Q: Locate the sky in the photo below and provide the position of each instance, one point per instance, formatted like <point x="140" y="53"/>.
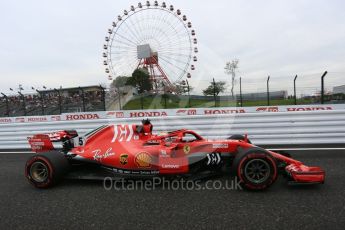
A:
<point x="59" y="43"/>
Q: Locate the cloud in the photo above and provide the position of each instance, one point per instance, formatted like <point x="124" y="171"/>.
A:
<point x="60" y="43"/>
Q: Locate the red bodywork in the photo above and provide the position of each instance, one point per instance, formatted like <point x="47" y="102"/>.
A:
<point x="44" y="142"/>
<point x="133" y="149"/>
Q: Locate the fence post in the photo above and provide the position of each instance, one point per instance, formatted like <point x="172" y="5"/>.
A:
<point x="323" y="87"/>
<point x="82" y="97"/>
<point x="268" y="91"/>
<point x="42" y="100"/>
<point x="241" y="102"/>
<point x="24" y="104"/>
<point x="164" y="96"/>
<point x="189" y="105"/>
<point x="141" y="100"/>
<point x="60" y="101"/>
<point x="142" y="92"/>
<point x="294" y="89"/>
<point x="7" y="106"/>
<point x="119" y="96"/>
<point x="103" y="97"/>
<point x="214" y="93"/>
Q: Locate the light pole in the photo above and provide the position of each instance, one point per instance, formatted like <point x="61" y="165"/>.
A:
<point x="241" y="92"/>
<point x="268" y="90"/>
<point x="323" y="87"/>
<point x="214" y="93"/>
<point x="294" y="89"/>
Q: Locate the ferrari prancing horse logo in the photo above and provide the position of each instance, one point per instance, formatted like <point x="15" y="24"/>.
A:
<point x="186" y="149"/>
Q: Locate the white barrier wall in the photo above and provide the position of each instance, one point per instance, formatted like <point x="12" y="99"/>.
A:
<point x="293" y="126"/>
<point x="171" y="112"/>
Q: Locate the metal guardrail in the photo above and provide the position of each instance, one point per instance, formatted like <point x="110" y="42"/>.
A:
<point x="279" y="128"/>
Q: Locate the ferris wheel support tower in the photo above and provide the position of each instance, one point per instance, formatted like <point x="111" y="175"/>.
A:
<point x="149" y="60"/>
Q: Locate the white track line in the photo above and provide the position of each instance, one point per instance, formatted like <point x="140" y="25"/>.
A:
<point x="308" y="149"/>
<point x="16" y="152"/>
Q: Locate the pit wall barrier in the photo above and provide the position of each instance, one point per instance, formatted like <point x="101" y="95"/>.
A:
<point x="265" y="125"/>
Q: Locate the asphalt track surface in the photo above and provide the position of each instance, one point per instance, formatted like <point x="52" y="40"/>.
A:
<point x="75" y="204"/>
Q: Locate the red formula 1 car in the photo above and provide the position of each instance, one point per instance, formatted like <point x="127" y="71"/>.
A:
<point x="134" y="151"/>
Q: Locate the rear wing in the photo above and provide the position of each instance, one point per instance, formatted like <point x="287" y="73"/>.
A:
<point x="51" y="141"/>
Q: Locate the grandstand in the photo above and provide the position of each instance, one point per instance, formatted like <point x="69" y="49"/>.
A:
<point x="54" y="101"/>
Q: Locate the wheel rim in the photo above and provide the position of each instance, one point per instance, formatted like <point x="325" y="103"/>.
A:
<point x="39" y="171"/>
<point x="257" y="171"/>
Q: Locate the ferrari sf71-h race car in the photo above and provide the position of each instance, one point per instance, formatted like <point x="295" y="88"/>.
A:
<point x="134" y="151"/>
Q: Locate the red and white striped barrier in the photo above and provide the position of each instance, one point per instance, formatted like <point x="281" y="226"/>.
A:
<point x="171" y="112"/>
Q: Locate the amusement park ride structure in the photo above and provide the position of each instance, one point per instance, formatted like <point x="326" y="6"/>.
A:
<point x="149" y="61"/>
<point x="155" y="37"/>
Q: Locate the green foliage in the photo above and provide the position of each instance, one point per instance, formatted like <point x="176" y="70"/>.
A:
<point x="215" y="88"/>
<point x="140" y="78"/>
<point x="120" y="81"/>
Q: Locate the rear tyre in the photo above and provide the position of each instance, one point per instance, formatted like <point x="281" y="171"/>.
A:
<point x="44" y="170"/>
<point x="255" y="168"/>
<point x="238" y="137"/>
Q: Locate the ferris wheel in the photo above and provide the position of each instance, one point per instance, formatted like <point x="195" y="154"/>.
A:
<point x="153" y="36"/>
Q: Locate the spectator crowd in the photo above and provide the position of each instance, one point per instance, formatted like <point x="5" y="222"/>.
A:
<point x="50" y="102"/>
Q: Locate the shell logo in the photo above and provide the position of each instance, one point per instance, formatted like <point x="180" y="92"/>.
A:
<point x="143" y="160"/>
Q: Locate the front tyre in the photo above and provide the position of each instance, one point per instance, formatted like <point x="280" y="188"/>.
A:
<point x="256" y="169"/>
<point x="46" y="169"/>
